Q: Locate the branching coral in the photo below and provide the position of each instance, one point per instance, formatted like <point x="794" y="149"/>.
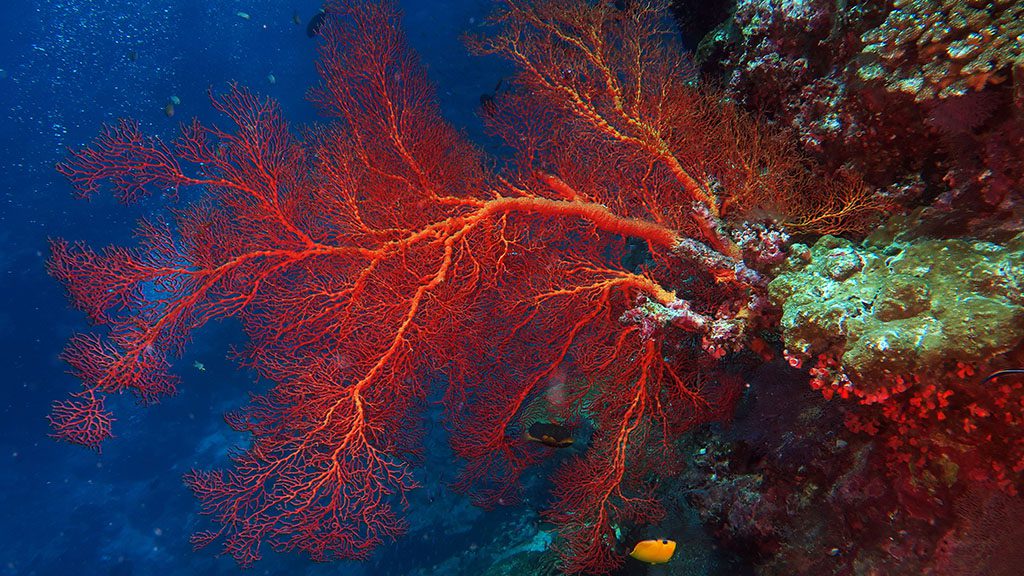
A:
<point x="380" y="254"/>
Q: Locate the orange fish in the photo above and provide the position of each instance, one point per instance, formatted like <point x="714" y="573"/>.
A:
<point x="654" y="551"/>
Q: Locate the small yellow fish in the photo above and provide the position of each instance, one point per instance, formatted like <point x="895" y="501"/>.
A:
<point x="654" y="551"/>
<point x="199" y="366"/>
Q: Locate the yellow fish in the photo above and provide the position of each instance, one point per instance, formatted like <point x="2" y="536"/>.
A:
<point x="654" y="551"/>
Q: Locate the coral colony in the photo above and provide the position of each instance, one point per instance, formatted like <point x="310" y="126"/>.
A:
<point x="624" y="271"/>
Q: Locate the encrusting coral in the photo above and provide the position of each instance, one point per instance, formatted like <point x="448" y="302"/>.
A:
<point x="902" y="309"/>
<point x="941" y="48"/>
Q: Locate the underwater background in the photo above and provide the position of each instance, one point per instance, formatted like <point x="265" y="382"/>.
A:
<point x="809" y="474"/>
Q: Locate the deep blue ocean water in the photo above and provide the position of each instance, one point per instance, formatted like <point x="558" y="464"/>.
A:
<point x="68" y="67"/>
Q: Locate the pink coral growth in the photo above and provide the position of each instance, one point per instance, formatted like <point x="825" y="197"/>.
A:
<point x="948" y="428"/>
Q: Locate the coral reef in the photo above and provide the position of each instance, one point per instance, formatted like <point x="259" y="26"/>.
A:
<point x="788" y="488"/>
<point x="805" y="64"/>
<point x="942" y="48"/>
<point x="904" y="328"/>
<point x="923" y="99"/>
<point x="790" y="61"/>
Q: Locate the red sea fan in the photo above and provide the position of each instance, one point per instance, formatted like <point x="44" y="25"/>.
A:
<point x="379" y="254"/>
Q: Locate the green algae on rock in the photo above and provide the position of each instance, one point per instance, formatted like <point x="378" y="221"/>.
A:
<point x="902" y="308"/>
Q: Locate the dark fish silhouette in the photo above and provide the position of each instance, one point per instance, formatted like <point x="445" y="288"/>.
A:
<point x="488" y="106"/>
<point x="315" y="23"/>
<point x="553" y="435"/>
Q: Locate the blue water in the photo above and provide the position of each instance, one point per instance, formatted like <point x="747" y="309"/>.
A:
<point x="67" y="67"/>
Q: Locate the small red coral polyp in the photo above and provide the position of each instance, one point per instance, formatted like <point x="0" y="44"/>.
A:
<point x="932" y="422"/>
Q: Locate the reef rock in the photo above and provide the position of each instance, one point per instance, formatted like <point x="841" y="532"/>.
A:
<point x="903" y="307"/>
